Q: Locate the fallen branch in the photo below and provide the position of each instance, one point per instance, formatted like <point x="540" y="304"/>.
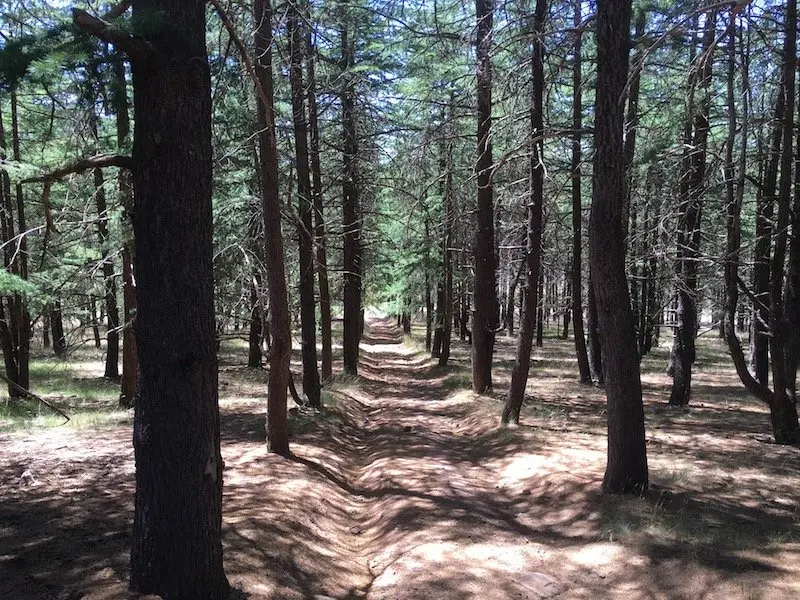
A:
<point x="84" y="164"/>
<point x="36" y="397"/>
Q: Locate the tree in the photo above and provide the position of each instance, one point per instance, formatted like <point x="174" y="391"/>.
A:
<point x="519" y="374"/>
<point x="279" y="322"/>
<point x="577" y="203"/>
<point x="626" y="470"/>
<point x="351" y="203"/>
<point x="305" y="230"/>
<point x="176" y="548"/>
<point x="692" y="190"/>
<point x="485" y="292"/>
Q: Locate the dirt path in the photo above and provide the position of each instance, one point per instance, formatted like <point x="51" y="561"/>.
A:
<point x="406" y="489"/>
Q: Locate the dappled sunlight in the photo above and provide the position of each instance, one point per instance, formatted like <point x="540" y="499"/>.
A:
<point x="405" y="486"/>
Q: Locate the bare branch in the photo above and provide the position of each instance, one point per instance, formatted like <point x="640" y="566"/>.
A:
<point x="135" y="48"/>
<point x="84" y="164"/>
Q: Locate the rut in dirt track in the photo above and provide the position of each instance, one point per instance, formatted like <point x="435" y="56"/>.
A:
<point x="420" y="468"/>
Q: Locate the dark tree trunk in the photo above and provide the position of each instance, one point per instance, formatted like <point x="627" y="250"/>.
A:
<point x="593" y="335"/>
<point x="765" y="210"/>
<point x="539" y="310"/>
<point x="447" y="265"/>
<point x="45" y="327"/>
<point x="626" y="470"/>
<point x="256" y="328"/>
<point x="278" y="318"/>
<point x="176" y="549"/>
<point x="692" y="191"/>
<point x="565" y="302"/>
<point x="308" y="314"/>
<point x="57" y="327"/>
<point x="351" y="208"/>
<point x="326" y="356"/>
<point x="512" y="297"/>
<point x="485" y="288"/>
<point x="577" y="202"/>
<point x="130" y="356"/>
<point x="519" y="374"/>
<point x="92" y="309"/>
<point x="783" y="409"/>
<point x="15" y="322"/>
<point x="109" y="280"/>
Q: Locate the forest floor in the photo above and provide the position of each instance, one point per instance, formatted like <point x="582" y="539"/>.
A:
<point x="406" y="488"/>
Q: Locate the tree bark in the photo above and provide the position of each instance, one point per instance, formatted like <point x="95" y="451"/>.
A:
<point x="176" y="548"/>
<point x="533" y="259"/>
<point x="626" y="471"/>
<point x="584" y="373"/>
<point x="308" y="316"/>
<point x="278" y="318"/>
<point x="351" y="203"/>
<point x="484" y="315"/>
<point x="692" y="192"/>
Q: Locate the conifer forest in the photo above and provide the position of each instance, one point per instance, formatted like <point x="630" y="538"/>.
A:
<point x="399" y="300"/>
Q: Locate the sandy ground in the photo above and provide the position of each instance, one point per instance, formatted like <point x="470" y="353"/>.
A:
<point x="405" y="488"/>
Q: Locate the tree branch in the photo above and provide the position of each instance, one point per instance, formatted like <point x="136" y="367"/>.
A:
<point x="245" y="55"/>
<point x="33" y="396"/>
<point x="134" y="47"/>
<point x="84" y="164"/>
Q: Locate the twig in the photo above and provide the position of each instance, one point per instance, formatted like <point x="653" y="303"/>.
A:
<point x="30" y="394"/>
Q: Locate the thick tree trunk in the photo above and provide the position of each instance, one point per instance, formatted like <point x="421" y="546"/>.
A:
<point x="539" y="310"/>
<point x="308" y="314"/>
<point x="626" y="470"/>
<point x="176" y="548"/>
<point x="533" y="259"/>
<point x="278" y="318"/>
<point x="351" y="204"/>
<point x="484" y="315"/>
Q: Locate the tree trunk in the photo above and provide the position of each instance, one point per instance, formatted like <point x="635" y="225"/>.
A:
<point x="57" y="327"/>
<point x="256" y="328"/>
<point x="176" y="547"/>
<point x="92" y="309"/>
<point x="130" y="357"/>
<point x="15" y="322"/>
<point x="539" y="291"/>
<point x="626" y="470"/>
<point x="784" y="411"/>
<point x="326" y="356"/>
<point x="278" y="318"/>
<point x="308" y="314"/>
<point x="584" y="373"/>
<point x="351" y="209"/>
<point x="109" y="280"/>
<point x="692" y="191"/>
<point x="484" y="289"/>
<point x="533" y="259"/>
